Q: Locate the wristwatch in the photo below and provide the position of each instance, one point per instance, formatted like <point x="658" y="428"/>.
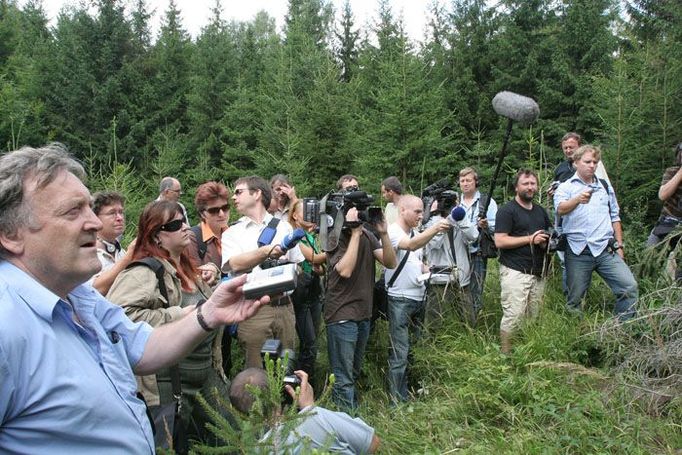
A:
<point x="617" y="245"/>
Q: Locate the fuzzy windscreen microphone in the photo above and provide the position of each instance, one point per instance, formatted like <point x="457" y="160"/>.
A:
<point x="516" y="107"/>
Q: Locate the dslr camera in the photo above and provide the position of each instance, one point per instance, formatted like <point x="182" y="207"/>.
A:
<point x="272" y="349"/>
<point x="444" y="195"/>
<point x="556" y="242"/>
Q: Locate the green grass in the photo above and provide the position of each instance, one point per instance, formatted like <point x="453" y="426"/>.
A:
<point x="554" y="394"/>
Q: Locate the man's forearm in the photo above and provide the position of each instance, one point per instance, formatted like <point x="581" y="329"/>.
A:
<point x="567" y="206"/>
<point x="105" y="279"/>
<point x="388" y="257"/>
<point x="618" y="231"/>
<point x="248" y="260"/>
<point x="347" y="262"/>
<point x="506" y="241"/>
<point x="169" y="343"/>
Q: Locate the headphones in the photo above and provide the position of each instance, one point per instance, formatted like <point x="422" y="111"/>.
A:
<point x="111" y="248"/>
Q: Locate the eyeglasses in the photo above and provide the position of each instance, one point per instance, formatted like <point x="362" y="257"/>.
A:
<point x="239" y="191"/>
<point x="216" y="210"/>
<point x="113" y="213"/>
<point x="172" y="226"/>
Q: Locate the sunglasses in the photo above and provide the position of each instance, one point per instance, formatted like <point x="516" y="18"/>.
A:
<point x="239" y="191"/>
<point x="216" y="210"/>
<point x="172" y="226"/>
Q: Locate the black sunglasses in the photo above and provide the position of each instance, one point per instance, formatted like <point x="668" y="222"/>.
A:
<point x="172" y="226"/>
<point x="216" y="210"/>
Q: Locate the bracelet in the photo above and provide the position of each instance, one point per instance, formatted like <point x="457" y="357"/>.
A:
<point x="200" y="317"/>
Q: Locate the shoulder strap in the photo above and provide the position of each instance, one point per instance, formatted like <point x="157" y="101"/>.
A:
<point x="157" y="267"/>
<point x="483" y="205"/>
<point x="608" y="196"/>
<point x="201" y="245"/>
<point x="400" y="266"/>
<point x="268" y="233"/>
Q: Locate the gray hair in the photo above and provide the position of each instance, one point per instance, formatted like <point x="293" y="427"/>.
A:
<point x="16" y="167"/>
<point x="166" y="184"/>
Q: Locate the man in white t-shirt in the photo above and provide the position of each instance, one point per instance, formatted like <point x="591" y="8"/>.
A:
<point x="405" y="291"/>
<point x="245" y="246"/>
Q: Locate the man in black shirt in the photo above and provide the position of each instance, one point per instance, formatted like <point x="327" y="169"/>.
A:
<point x="521" y="236"/>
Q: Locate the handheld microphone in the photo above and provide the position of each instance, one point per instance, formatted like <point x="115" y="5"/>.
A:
<point x="456" y="214"/>
<point x="516" y="107"/>
<point x="290" y="240"/>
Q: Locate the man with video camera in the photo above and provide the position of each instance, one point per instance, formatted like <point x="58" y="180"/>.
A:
<point x="348" y="306"/>
<point x="254" y="241"/>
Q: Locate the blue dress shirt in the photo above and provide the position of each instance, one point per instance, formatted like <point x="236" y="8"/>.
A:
<point x="588" y="224"/>
<point x="68" y="387"/>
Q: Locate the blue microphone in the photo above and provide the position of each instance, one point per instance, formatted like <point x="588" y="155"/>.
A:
<point x="290" y="240"/>
<point x="456" y="214"/>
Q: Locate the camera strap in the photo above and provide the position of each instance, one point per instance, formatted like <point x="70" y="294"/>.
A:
<point x="451" y="238"/>
<point x="400" y="266"/>
<point x="268" y="233"/>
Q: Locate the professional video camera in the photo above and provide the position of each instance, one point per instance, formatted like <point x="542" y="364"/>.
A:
<point x="329" y="213"/>
<point x="272" y="349"/>
<point x="443" y="193"/>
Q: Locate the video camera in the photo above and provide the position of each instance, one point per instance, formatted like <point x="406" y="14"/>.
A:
<point x="443" y="193"/>
<point x="329" y="213"/>
<point x="272" y="349"/>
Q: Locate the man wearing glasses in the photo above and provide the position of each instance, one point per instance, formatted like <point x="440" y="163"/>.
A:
<point x="245" y="246"/>
<point x="591" y="223"/>
<point x="108" y="206"/>
<point x="171" y="190"/>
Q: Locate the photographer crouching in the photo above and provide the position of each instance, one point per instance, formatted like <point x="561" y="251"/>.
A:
<point x="318" y="428"/>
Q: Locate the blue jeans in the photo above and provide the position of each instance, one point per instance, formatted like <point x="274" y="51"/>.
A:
<point x="479" y="268"/>
<point x="613" y="270"/>
<point x="346" y="344"/>
<point x="404" y="316"/>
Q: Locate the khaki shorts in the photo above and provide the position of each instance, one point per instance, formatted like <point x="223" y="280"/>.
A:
<point x="521" y="296"/>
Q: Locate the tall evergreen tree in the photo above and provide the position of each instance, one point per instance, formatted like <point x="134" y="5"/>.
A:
<point x="347" y="52"/>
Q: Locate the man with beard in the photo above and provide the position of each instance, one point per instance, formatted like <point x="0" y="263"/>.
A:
<point x="591" y="223"/>
<point x="521" y="236"/>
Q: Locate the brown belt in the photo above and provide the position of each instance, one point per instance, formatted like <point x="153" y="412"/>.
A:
<point x="282" y="301"/>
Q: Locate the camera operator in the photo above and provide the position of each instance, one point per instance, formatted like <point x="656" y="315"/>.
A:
<point x="448" y="255"/>
<point x="348" y="304"/>
<point x="591" y="223"/>
<point x="254" y="239"/>
<point x="473" y="202"/>
<point x="318" y="427"/>
<point x="521" y="236"/>
<point x="283" y="195"/>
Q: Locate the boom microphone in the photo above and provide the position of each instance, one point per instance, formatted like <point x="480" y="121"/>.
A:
<point x="516" y="107"/>
<point x="290" y="240"/>
<point x="457" y="214"/>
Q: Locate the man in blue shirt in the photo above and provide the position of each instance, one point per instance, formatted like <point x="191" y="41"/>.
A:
<point x="68" y="356"/>
<point x="592" y="226"/>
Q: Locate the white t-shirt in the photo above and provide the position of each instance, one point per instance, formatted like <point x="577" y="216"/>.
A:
<point x="243" y="236"/>
<point x="406" y="285"/>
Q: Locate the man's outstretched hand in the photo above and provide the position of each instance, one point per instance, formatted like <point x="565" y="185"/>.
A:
<point x="227" y="304"/>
